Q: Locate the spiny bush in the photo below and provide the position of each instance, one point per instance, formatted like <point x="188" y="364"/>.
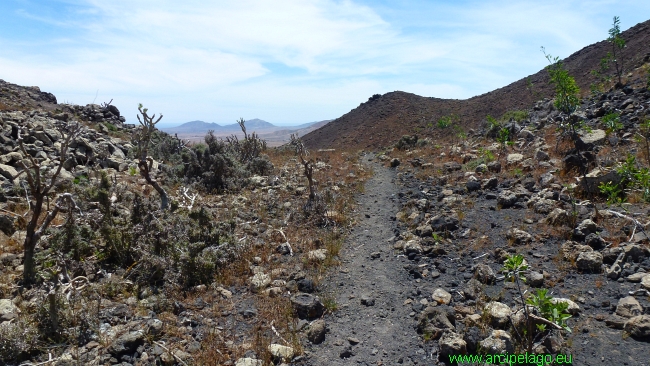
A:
<point x="219" y="165"/>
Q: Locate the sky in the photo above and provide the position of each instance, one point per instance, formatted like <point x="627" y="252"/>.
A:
<point x="286" y="61"/>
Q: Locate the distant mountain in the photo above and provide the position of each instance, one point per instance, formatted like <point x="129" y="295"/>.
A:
<point x="274" y="135"/>
<point x="194" y="127"/>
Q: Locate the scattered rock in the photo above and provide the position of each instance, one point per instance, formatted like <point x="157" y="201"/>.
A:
<point x="260" y="281"/>
<point x="506" y="199"/>
<point x="316" y="332"/>
<point x="441" y="296"/>
<point x="452" y="166"/>
<point x="535" y="279"/>
<point x="318" y="255"/>
<point x="367" y="300"/>
<point x="249" y="362"/>
<point x="281" y="353"/>
<point x="484" y="274"/>
<point x="434" y="320"/>
<point x="519" y="236"/>
<point x="8" y="310"/>
<point x="127" y="343"/>
<point x="452" y="343"/>
<point x="638" y="326"/>
<point x="589" y="261"/>
<point x="514" y="158"/>
<point x="628" y="307"/>
<point x="498" y="342"/>
<point x="307" y="306"/>
<point x="499" y="313"/>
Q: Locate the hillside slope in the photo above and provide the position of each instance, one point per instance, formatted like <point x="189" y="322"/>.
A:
<point x="380" y="122"/>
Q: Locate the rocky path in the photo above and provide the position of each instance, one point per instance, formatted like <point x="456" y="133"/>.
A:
<point x="372" y="326"/>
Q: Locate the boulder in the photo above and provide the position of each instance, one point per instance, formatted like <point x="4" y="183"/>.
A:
<point x="424" y="231"/>
<point x="571" y="250"/>
<point x="628" y="307"/>
<point x="519" y="236"/>
<point x="484" y="274"/>
<point x="494" y="166"/>
<point x="535" y="279"/>
<point x="318" y="255"/>
<point x="127" y="343"/>
<point x="452" y="166"/>
<point x="441" y="296"/>
<point x="247" y="361"/>
<point x="490" y="183"/>
<point x="481" y="168"/>
<point x="542" y="155"/>
<point x="506" y="199"/>
<point x="444" y="223"/>
<point x="316" y="332"/>
<point x="589" y="261"/>
<point x="8" y="172"/>
<point x="435" y="320"/>
<point x="307" y="306"/>
<point x="8" y="224"/>
<point x="281" y="353"/>
<point x="498" y="342"/>
<point x="645" y="282"/>
<point x="452" y="343"/>
<point x="8" y="310"/>
<point x="412" y="246"/>
<point x="514" y="158"/>
<point x="638" y="326"/>
<point x="499" y="313"/>
<point x="260" y="281"/>
<point x="557" y="217"/>
<point x="595" y="137"/>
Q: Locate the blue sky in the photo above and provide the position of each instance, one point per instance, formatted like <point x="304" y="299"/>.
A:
<point x="284" y="61"/>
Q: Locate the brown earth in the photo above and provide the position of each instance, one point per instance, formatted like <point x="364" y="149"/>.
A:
<point x="380" y="122"/>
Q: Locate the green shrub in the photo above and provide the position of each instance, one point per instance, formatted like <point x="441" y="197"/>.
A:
<point x="566" y="90"/>
<point x="612" y="122"/>
<point x="517" y="116"/>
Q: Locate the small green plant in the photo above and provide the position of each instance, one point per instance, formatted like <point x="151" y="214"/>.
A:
<point x="555" y="312"/>
<point x="612" y="191"/>
<point x="329" y="302"/>
<point x="493" y="123"/>
<point x="437" y="238"/>
<point x="566" y="90"/>
<point x="517" y="172"/>
<point x="618" y="44"/>
<point x="111" y="127"/>
<point x="445" y="121"/>
<point x="487" y="155"/>
<point x="612" y="122"/>
<point x="132" y="171"/>
<point x="517" y="116"/>
<point x="504" y="138"/>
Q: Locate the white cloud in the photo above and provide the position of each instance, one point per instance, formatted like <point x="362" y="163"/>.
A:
<point x="206" y="60"/>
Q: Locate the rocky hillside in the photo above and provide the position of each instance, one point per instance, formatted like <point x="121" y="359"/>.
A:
<point x="383" y="119"/>
<point x="464" y="209"/>
<point x="225" y="273"/>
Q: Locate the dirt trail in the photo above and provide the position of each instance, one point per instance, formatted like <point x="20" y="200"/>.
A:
<point x="369" y="288"/>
